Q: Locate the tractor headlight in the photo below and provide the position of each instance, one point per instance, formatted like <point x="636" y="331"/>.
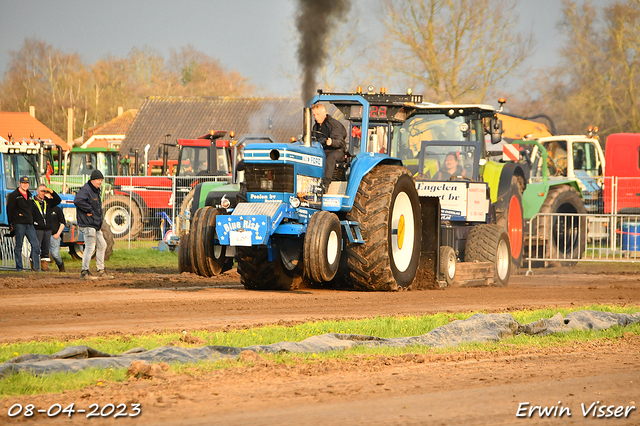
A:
<point x="224" y="202"/>
<point x="295" y="202"/>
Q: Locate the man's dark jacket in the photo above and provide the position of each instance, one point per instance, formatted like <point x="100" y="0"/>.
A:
<point x="331" y="128"/>
<point x="88" y="201"/>
<point x="19" y="209"/>
<point x="41" y="221"/>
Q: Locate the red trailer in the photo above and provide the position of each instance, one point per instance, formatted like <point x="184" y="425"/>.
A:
<point x="622" y="156"/>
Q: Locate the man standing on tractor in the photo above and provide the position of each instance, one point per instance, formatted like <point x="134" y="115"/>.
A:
<point x="89" y="213"/>
<point x="20" y="217"/>
<point x="332" y="135"/>
<point x="43" y="203"/>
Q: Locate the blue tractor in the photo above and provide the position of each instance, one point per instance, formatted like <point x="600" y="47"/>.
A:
<point x="366" y="230"/>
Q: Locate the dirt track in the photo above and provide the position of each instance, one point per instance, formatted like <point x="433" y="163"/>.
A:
<point x="472" y="388"/>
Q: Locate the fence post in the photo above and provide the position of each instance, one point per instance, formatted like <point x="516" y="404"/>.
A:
<point x="174" y="196"/>
<point x="130" y="212"/>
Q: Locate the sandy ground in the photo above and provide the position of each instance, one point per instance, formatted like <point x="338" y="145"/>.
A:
<point x="470" y="388"/>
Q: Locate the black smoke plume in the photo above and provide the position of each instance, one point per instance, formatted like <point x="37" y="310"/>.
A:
<point x="315" y="19"/>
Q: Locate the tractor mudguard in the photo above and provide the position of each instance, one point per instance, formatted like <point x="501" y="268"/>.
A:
<point x="136" y="198"/>
<point x="491" y="175"/>
<point x="504" y="184"/>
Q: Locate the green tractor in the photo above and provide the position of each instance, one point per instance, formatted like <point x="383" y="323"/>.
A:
<point x="458" y="134"/>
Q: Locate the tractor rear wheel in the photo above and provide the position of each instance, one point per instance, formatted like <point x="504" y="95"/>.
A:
<point x="387" y="209"/>
<point x="565" y="235"/>
<point x="322" y="247"/>
<point x="125" y="222"/>
<point x="512" y="220"/>
<point x="258" y="273"/>
<point x="490" y="243"/>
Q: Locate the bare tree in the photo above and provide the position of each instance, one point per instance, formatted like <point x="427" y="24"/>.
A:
<point x="598" y="80"/>
<point x="455" y="49"/>
<point x="43" y="76"/>
<point x="54" y="81"/>
<point x="202" y="75"/>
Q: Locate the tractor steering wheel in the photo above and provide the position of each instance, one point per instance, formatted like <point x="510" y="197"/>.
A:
<point x="454" y="177"/>
<point x="560" y="171"/>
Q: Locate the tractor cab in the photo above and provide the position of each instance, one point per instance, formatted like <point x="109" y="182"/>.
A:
<point x="207" y="155"/>
<point x="436" y="134"/>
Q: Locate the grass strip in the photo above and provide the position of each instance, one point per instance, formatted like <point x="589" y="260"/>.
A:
<point x="28" y="384"/>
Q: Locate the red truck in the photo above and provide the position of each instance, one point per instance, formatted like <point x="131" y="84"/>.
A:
<point x="622" y="173"/>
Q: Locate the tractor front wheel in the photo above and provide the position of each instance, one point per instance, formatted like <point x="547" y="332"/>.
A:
<point x="322" y="247"/>
<point x="564" y="234"/>
<point x="448" y="264"/>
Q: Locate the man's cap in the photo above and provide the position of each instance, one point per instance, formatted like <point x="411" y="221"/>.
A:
<point x="96" y="174"/>
<point x="24" y="179"/>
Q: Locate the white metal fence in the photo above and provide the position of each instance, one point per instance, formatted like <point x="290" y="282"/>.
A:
<point x="142" y="210"/>
<point x="556" y="239"/>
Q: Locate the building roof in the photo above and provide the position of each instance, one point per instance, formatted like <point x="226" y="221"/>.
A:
<point x="21" y="125"/>
<point x="117" y="126"/>
<point x="190" y="117"/>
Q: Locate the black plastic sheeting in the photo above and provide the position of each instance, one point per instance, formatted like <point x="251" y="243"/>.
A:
<point x="477" y="329"/>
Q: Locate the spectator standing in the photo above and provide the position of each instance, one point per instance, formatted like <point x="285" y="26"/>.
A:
<point x="20" y="216"/>
<point x="43" y="203"/>
<point x="89" y="214"/>
<point x="57" y="226"/>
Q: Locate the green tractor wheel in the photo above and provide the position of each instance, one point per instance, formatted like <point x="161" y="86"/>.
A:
<point x="565" y="235"/>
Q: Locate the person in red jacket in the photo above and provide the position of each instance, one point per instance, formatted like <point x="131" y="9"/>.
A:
<point x="19" y="212"/>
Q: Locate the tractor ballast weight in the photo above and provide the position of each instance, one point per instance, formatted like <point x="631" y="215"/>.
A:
<point x="363" y="231"/>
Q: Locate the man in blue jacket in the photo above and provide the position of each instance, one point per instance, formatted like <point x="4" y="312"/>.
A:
<point x="89" y="216"/>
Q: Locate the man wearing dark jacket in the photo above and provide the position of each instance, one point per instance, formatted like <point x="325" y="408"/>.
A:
<point x="89" y="215"/>
<point x="43" y="203"/>
<point x="57" y="226"/>
<point x="20" y="215"/>
<point x="332" y="135"/>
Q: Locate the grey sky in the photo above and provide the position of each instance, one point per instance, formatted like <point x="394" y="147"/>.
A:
<point x="251" y="36"/>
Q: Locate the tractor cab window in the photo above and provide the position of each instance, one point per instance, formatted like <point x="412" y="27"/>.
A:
<point x="557" y="158"/>
<point x="17" y="165"/>
<point x="585" y="158"/>
<point x="446" y="162"/>
<point x="377" y="139"/>
<point x="108" y="163"/>
<point x="194" y="160"/>
<point x="223" y="161"/>
<point x="82" y="163"/>
<point x="408" y="136"/>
